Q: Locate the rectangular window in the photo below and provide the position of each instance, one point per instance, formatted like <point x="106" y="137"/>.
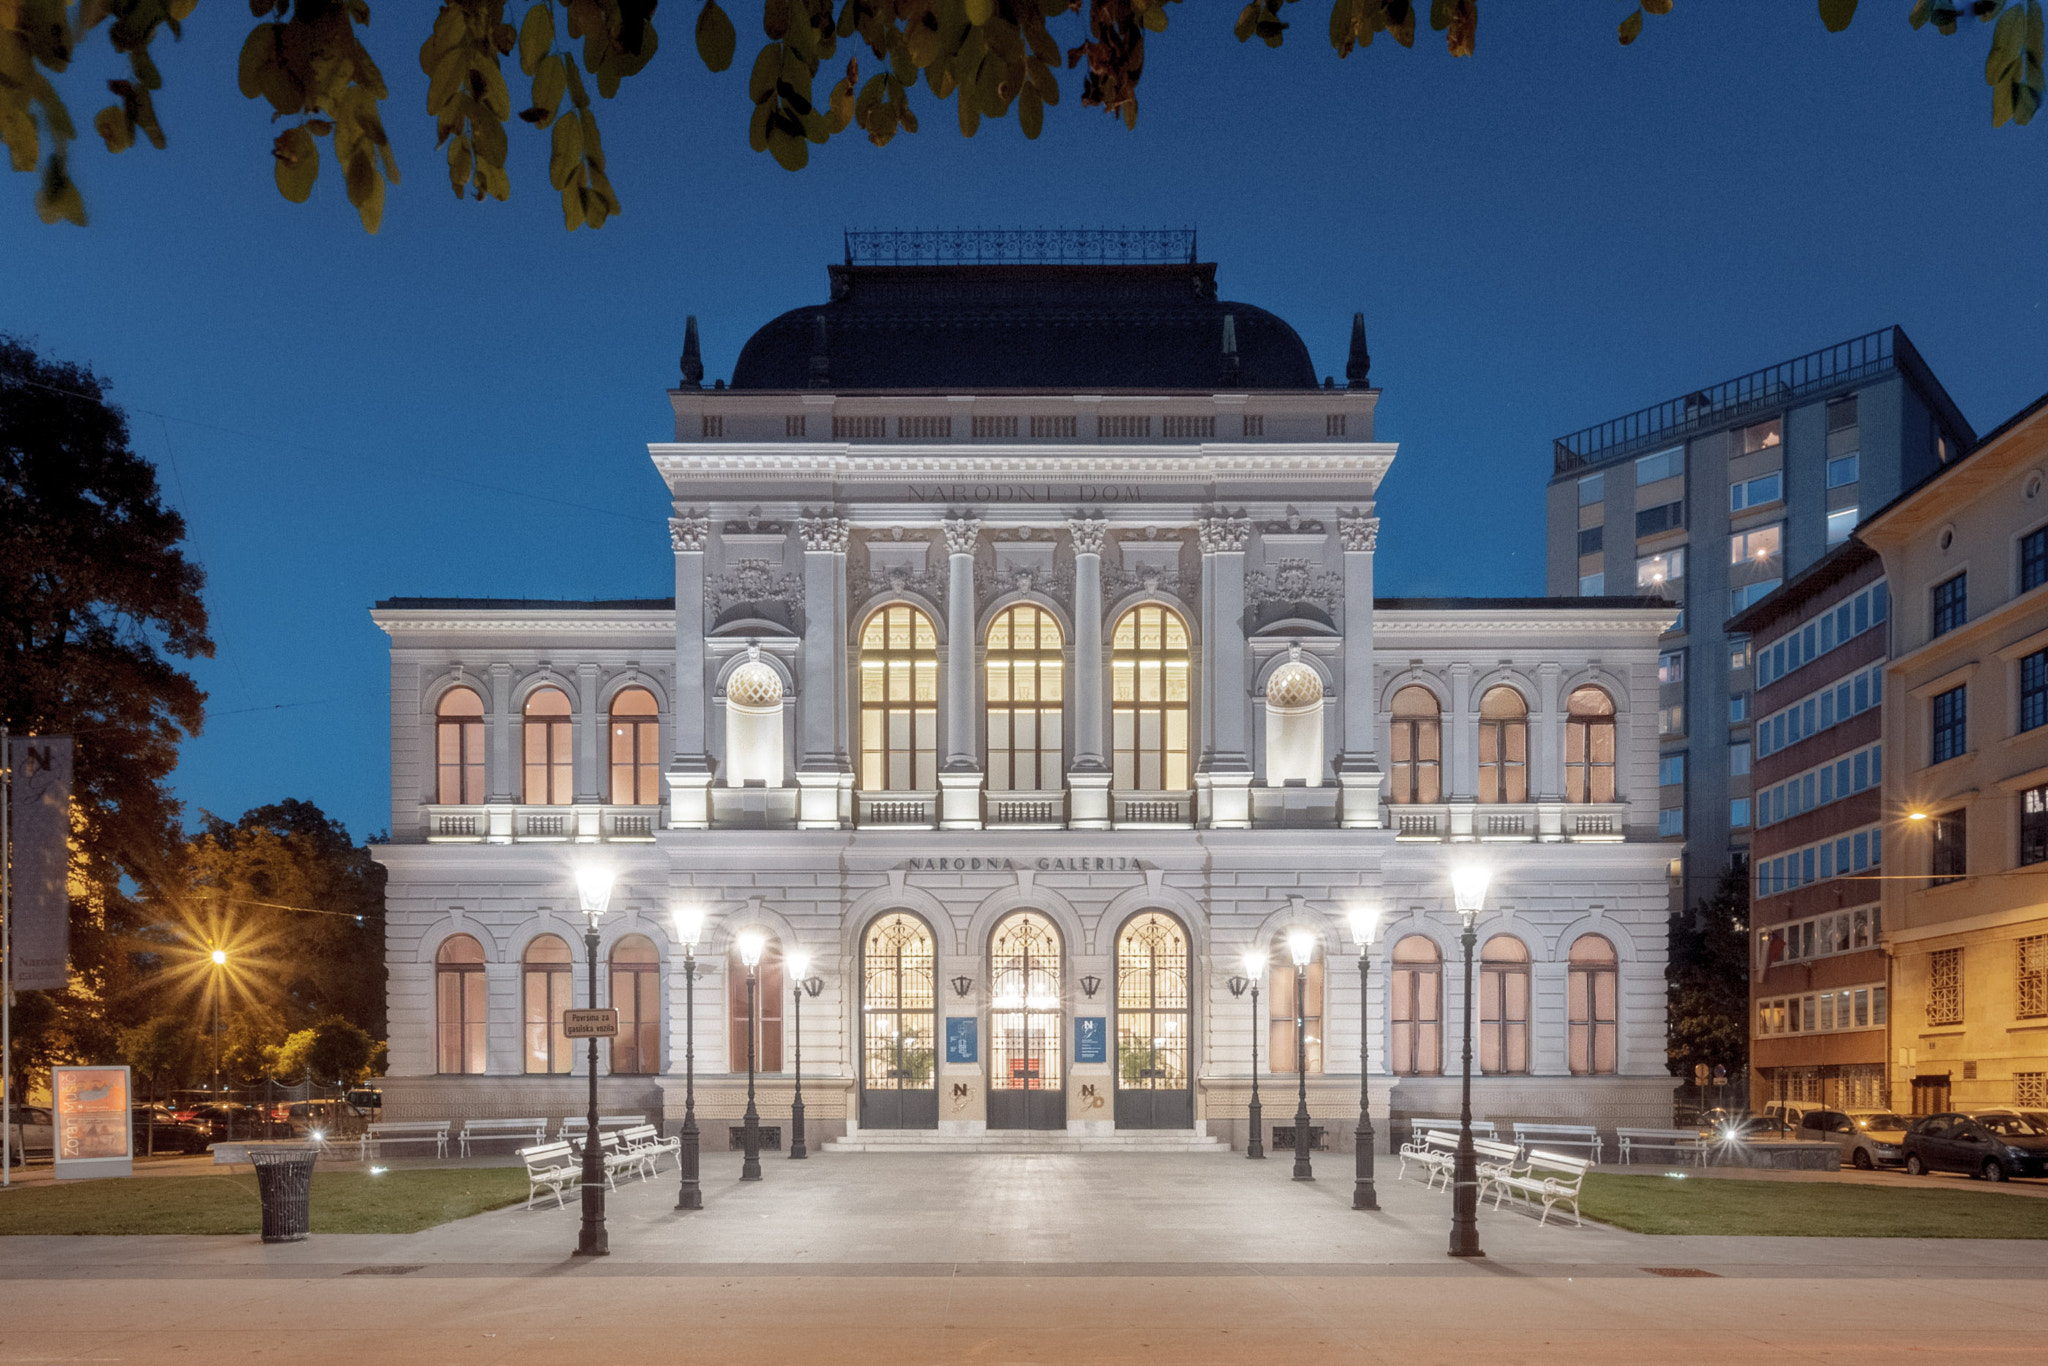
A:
<point x="2030" y="1089"/>
<point x="1842" y="470"/>
<point x="1589" y="540"/>
<point x="1122" y="428"/>
<point x="1333" y="424"/>
<point x="1842" y="414"/>
<point x="1671" y="821"/>
<point x="2031" y="994"/>
<point x="1951" y="605"/>
<point x="1738" y="759"/>
<point x="1841" y="522"/>
<point x="1947" y="858"/>
<point x="1254" y="425"/>
<point x="1760" y="436"/>
<point x="1589" y="489"/>
<point x="2034" y="559"/>
<point x="2034" y="825"/>
<point x="1757" y="545"/>
<point x="1945" y="987"/>
<point x="924" y="428"/>
<point x="1749" y="593"/>
<point x="1654" y="571"/>
<point x="995" y="428"/>
<point x="1738" y="812"/>
<point x="1664" y="517"/>
<point x="1592" y="585"/>
<point x="1738" y="709"/>
<point x="861" y="428"/>
<point x="1949" y="714"/>
<point x="1663" y="465"/>
<point x="1198" y="428"/>
<point x="1671" y="770"/>
<point x="1671" y="667"/>
<point x="2034" y="690"/>
<point x="1757" y="492"/>
<point x="794" y="424"/>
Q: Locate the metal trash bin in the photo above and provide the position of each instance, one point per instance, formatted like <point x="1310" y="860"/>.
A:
<point x="284" y="1182"/>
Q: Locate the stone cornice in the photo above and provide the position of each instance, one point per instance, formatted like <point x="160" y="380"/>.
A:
<point x="394" y="623"/>
<point x="770" y="462"/>
<point x="1473" y="624"/>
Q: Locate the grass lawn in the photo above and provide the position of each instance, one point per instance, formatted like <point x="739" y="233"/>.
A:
<point x="1660" y="1204"/>
<point x="343" y="1202"/>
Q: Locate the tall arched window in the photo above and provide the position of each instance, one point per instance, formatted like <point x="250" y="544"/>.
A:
<point x="636" y="749"/>
<point x="768" y="987"/>
<point x="1503" y="746"/>
<point x="1280" y="1034"/>
<point x="1294" y="725"/>
<point x="899" y="700"/>
<point x="1025" y="695"/>
<point x="1026" y="1012"/>
<point x="636" y="995"/>
<point x="1504" y="1005"/>
<point x="1417" y="748"/>
<point x="549" y="748"/>
<point x="753" y="726"/>
<point x="1152" y="1004"/>
<point x="459" y="1006"/>
<point x="1149" y="695"/>
<point x="1590" y="1006"/>
<point x="547" y="989"/>
<point x="459" y="748"/>
<point x="898" y="1024"/>
<point x="1589" y="746"/>
<point x="1418" y="998"/>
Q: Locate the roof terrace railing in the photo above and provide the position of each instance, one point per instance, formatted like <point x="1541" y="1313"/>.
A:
<point x="1773" y="387"/>
<point x="1020" y="246"/>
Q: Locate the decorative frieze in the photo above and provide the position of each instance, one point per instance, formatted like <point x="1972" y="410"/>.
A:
<point x="1224" y="533"/>
<point x="1119" y="582"/>
<point x="1359" y="532"/>
<point x="991" y="582"/>
<point x="1291" y="581"/>
<point x="754" y="583"/>
<point x="824" y="532"/>
<point x="688" y="533"/>
<point x="1293" y="524"/>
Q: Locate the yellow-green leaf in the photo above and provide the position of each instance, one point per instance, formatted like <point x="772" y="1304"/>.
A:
<point x="536" y="37"/>
<point x="716" y="40"/>
<point x="1836" y="14"/>
<point x="114" y="128"/>
<point x="298" y="164"/>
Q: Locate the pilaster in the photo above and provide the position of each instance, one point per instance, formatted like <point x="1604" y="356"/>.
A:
<point x="1226" y="766"/>
<point x="1358" y="765"/>
<point x="820" y="747"/>
<point x="960" y="772"/>
<point x="1088" y="779"/>
<point x="1461" y="753"/>
<point x="689" y="767"/>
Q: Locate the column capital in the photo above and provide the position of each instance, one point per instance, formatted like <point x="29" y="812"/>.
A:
<point x="1088" y="533"/>
<point x="961" y="534"/>
<point x="1359" y="532"/>
<point x="687" y="534"/>
<point x="824" y="533"/>
<point x="1224" y="532"/>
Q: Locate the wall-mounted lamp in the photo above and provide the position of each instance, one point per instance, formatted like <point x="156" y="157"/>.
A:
<point x="962" y="985"/>
<point x="1090" y="985"/>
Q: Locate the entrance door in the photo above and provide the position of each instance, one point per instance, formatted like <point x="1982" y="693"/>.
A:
<point x="1026" y="1084"/>
<point x="899" y="1081"/>
<point x="1153" y="1086"/>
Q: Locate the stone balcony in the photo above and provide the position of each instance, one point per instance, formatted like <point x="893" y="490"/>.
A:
<point x="583" y="823"/>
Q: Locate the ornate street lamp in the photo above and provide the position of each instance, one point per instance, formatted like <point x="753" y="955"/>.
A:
<point x="594" y="894"/>
<point x="219" y="959"/>
<point x="799" y="964"/>
<point x="1254" y="969"/>
<point x="1301" y="946"/>
<point x="689" y="929"/>
<point x="1468" y="892"/>
<point x="751" y="942"/>
<point x="1365" y="923"/>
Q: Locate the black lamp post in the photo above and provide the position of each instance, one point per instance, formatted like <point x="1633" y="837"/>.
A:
<point x="1468" y="888"/>
<point x="689" y="929"/>
<point x="1301" y="946"/>
<point x="594" y="892"/>
<point x="1254" y="969"/>
<point x="1364" y="924"/>
<point x="751" y="944"/>
<point x="799" y="964"/>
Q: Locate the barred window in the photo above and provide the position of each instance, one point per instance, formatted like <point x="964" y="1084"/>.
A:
<point x="924" y="428"/>
<point x="1053" y="428"/>
<point x="1333" y="424"/>
<point x="794" y="424"/>
<point x="1190" y="428"/>
<point x="1945" y="987"/>
<point x="2030" y="1089"/>
<point x="714" y="427"/>
<point x="986" y="428"/>
<point x="1116" y="428"/>
<point x="2033" y="977"/>
<point x="859" y="428"/>
<point x="1254" y="424"/>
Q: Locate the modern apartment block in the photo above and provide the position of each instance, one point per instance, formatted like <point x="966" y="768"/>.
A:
<point x="1966" y="779"/>
<point x="1816" y="763"/>
<point x="1715" y="498"/>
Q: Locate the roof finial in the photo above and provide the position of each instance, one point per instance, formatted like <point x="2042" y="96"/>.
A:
<point x="1230" y="357"/>
<point x="693" y="360"/>
<point x="1358" y="368"/>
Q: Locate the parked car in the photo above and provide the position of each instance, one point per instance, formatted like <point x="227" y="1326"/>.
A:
<point x="32" y="1135"/>
<point x="325" y="1118"/>
<point x="1867" y="1138"/>
<point x="1995" y="1145"/>
<point x="1793" y="1112"/>
<point x="232" y="1119"/>
<point x="1748" y="1129"/>
<point x="171" y="1135"/>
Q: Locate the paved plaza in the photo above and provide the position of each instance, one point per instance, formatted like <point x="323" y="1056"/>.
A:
<point x="1004" y="1258"/>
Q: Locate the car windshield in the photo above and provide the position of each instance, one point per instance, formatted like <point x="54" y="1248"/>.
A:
<point x="2010" y="1126"/>
<point x="1880" y="1122"/>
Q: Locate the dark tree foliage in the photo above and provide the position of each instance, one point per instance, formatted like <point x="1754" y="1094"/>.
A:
<point x="1707" y="983"/>
<point x="97" y="602"/>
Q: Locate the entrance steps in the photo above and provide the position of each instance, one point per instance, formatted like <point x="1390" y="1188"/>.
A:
<point x="1027" y="1141"/>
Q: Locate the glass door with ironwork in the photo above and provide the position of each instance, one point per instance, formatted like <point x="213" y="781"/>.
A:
<point x="899" y="1086"/>
<point x="1026" y="1085"/>
<point x="1153" y="1086"/>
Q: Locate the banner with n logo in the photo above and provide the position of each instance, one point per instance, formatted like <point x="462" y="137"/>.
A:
<point x="39" y="812"/>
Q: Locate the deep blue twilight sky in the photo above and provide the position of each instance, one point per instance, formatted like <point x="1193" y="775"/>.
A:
<point x="1553" y="233"/>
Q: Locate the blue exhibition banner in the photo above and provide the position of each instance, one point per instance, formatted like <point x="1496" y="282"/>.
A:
<point x="1091" y="1038"/>
<point x="960" y="1039"/>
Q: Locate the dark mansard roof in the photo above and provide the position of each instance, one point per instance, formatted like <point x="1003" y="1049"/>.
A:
<point x="1065" y="328"/>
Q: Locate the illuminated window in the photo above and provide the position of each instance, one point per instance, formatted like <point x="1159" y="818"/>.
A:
<point x="767" y="1014"/>
<point x="459" y="748"/>
<point x="636" y="749"/>
<point x="1503" y="746"/>
<point x="1504" y="1005"/>
<point x="546" y="989"/>
<point x="1281" y="1006"/>
<point x="1025" y="694"/>
<point x="1589" y="740"/>
<point x="636" y="995"/>
<point x="1759" y="545"/>
<point x="1590" y="1006"/>
<point x="1416" y="745"/>
<point x="1149" y="695"/>
<point x="460" y="1007"/>
<point x="549" y="746"/>
<point x="1152" y="1004"/>
<point x="899" y="690"/>
<point x="1656" y="571"/>
<point x="1416" y="983"/>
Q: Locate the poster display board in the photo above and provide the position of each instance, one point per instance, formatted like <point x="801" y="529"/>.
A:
<point x="1091" y="1038"/>
<point x="962" y="1045"/>
<point x="94" y="1135"/>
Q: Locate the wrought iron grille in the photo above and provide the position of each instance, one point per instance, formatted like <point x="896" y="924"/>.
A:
<point x="1945" y="987"/>
<point x="1152" y="1005"/>
<point x="2030" y="1088"/>
<point x="1025" y="1009"/>
<point x="897" y="1004"/>
<point x="1019" y="246"/>
<point x="2033" y="983"/>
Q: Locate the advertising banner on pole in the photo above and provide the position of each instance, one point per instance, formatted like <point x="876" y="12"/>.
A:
<point x="94" y="1136"/>
<point x="40" y="813"/>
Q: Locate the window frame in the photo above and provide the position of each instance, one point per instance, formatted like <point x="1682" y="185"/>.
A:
<point x="555" y="768"/>
<point x="1948" y="724"/>
<point x="1280" y="1006"/>
<point x="642" y="737"/>
<point x="1948" y="846"/>
<point x="1586" y="1033"/>
<point x="1414" y="728"/>
<point x="768" y="1017"/>
<point x="1505" y="1035"/>
<point x="1421" y="983"/>
<point x="881" y="760"/>
<point x="639" y="1036"/>
<point x="472" y="986"/>
<point x="471" y="746"/>
<point x="1508" y="783"/>
<point x="1132" y="758"/>
<point x="1586" y="777"/>
<point x="556" y="979"/>
<point x="1949" y="604"/>
<point x="1007" y="662"/>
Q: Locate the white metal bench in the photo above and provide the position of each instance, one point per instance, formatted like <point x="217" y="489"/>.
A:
<point x="519" y="1130"/>
<point x="1549" y="1179"/>
<point x="574" y="1129"/>
<point x="646" y="1141"/>
<point x="1561" y="1135"/>
<point x="549" y="1167"/>
<point x="403" y="1131"/>
<point x="1435" y="1150"/>
<point x="1481" y="1128"/>
<point x="1492" y="1159"/>
<point x="615" y="1155"/>
<point x="1686" y="1143"/>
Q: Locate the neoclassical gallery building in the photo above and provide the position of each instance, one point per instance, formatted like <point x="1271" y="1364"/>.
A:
<point x="1024" y="672"/>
